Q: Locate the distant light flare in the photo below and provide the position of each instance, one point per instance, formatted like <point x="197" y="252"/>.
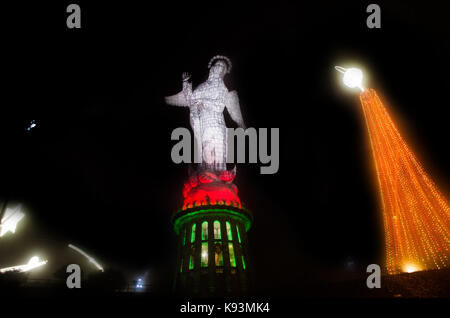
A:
<point x="140" y="283"/>
<point x="92" y="260"/>
<point x="10" y="220"/>
<point x="33" y="263"/>
<point x="32" y="125"/>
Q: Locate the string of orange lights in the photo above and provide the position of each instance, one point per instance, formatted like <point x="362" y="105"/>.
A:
<point x="416" y="215"/>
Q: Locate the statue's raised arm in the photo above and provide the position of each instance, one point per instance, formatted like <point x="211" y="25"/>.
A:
<point x="182" y="98"/>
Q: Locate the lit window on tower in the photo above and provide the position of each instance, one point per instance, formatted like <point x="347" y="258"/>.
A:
<point x="193" y="233"/>
<point x="229" y="234"/>
<point x="217" y="235"/>
<point x="204" y="262"/>
<point x="218" y="255"/>
<point x="191" y="262"/>
<point x="205" y="230"/>
<point x="238" y="235"/>
<point x="232" y="258"/>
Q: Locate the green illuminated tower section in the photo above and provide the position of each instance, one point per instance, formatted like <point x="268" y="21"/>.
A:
<point x="212" y="243"/>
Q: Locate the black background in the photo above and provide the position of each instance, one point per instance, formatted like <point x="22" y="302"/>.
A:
<point x="97" y="170"/>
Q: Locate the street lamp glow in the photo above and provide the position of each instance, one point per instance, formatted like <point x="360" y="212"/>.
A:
<point x="352" y="77"/>
<point x="33" y="263"/>
<point x="10" y="219"/>
<point x="92" y="260"/>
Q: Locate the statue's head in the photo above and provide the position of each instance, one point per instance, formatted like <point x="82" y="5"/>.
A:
<point x="218" y="66"/>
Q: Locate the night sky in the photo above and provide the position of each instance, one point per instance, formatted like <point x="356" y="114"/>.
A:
<point x="97" y="171"/>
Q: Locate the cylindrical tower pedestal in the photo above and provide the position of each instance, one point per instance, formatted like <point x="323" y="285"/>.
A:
<point x="212" y="254"/>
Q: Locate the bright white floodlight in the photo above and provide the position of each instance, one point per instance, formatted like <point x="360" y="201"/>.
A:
<point x="9" y="220"/>
<point x="93" y="261"/>
<point x="352" y="77"/>
<point x="33" y="263"/>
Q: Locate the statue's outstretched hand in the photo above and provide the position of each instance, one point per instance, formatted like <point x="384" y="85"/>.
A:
<point x="183" y="97"/>
<point x="185" y="76"/>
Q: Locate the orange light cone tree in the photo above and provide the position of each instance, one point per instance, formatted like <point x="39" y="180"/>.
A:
<point x="416" y="216"/>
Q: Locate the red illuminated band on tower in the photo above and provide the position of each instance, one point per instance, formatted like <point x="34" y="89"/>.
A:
<point x="211" y="188"/>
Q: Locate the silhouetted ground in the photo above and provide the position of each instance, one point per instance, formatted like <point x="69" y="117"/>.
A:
<point x="405" y="293"/>
<point x="423" y="284"/>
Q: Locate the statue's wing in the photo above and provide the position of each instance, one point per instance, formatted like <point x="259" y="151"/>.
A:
<point x="177" y="100"/>
<point x="232" y="104"/>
